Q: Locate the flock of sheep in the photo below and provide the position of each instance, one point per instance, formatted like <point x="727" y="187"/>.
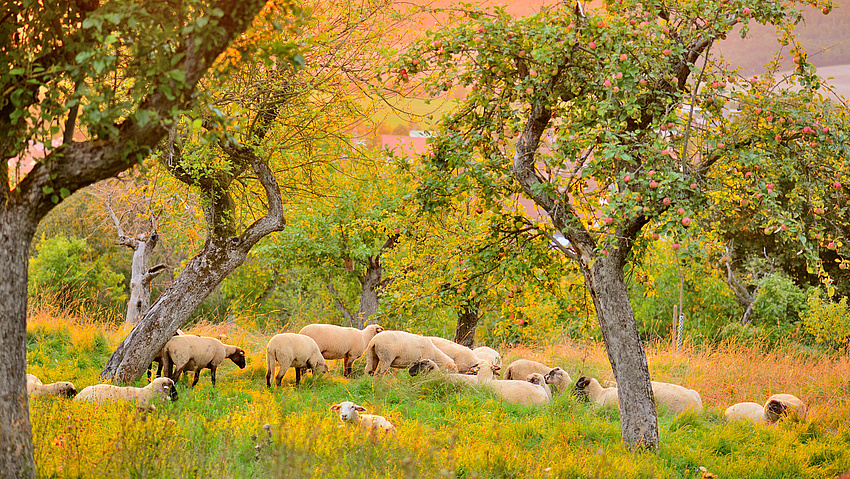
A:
<point x="525" y="382"/>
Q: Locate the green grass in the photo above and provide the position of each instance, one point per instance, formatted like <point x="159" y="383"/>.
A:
<point x="243" y="429"/>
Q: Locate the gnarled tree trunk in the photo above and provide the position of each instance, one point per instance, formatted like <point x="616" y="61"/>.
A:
<point x="467" y="320"/>
<point x="372" y="282"/>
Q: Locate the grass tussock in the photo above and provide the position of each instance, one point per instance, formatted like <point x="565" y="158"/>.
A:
<point x="242" y="429"/>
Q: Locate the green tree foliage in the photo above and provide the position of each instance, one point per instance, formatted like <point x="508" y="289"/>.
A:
<point x="827" y="321"/>
<point x="68" y="270"/>
<point x="618" y="123"/>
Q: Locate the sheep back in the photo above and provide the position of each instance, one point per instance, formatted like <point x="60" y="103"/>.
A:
<point x="779" y="406"/>
<point x="35" y="388"/>
<point x="521" y="368"/>
<point x="400" y="349"/>
<point x="292" y="350"/>
<point x="488" y="354"/>
<point x="749" y="411"/>
<point x="675" y="397"/>
<point x="463" y="356"/>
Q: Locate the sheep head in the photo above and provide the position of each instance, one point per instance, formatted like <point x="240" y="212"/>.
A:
<point x="581" y="387"/>
<point x="423" y="366"/>
<point x="237" y="355"/>
<point x="348" y="411"/>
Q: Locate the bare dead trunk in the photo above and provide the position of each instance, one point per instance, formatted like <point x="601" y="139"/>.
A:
<point x="638" y="417"/>
<point x="141" y="277"/>
<point x="467" y="320"/>
<point x="16" y="450"/>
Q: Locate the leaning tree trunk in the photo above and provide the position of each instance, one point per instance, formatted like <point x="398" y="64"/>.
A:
<point x="223" y="252"/>
<point x="467" y="320"/>
<point x="16" y="450"/>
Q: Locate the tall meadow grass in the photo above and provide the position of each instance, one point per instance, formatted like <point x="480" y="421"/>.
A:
<point x="242" y="429"/>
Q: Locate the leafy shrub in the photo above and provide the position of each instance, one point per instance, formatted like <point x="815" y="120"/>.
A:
<point x="779" y="301"/>
<point x="828" y="322"/>
<point x="69" y="270"/>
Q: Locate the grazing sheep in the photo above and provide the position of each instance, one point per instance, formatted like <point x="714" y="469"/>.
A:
<point x="745" y="411"/>
<point x="521" y="368"/>
<point x="592" y="390"/>
<point x="463" y="357"/>
<point x="35" y="388"/>
<point x="400" y="349"/>
<point x="423" y="367"/>
<point x="143" y="398"/>
<point x="193" y="353"/>
<point x="488" y="354"/>
<point x="158" y="358"/>
<point x="676" y="398"/>
<point x="780" y="406"/>
<point x="291" y="350"/>
<point x="338" y="342"/>
<point x="350" y="413"/>
<point x="558" y="379"/>
<point x="514" y="391"/>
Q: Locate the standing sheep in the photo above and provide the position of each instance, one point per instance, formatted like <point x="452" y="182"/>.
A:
<point x="400" y="349"/>
<point x="35" y="388"/>
<point x="194" y="353"/>
<point x="350" y="413"/>
<point x="745" y="411"/>
<point x="521" y="368"/>
<point x="463" y="357"/>
<point x="488" y="354"/>
<point x="338" y="342"/>
<point x="158" y="359"/>
<point x="780" y="406"/>
<point x="291" y="350"/>
<point x="143" y="398"/>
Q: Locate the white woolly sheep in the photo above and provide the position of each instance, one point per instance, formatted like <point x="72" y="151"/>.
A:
<point x="189" y="353"/>
<point x="291" y="350"/>
<point x="749" y="411"/>
<point x="514" y="391"/>
<point x="539" y="380"/>
<point x="676" y="398"/>
<point x="592" y="390"/>
<point x="400" y="349"/>
<point x="351" y="413"/>
<point x="780" y="406"/>
<point x="338" y="342"/>
<point x="463" y="356"/>
<point x="488" y="354"/>
<point x="521" y="368"/>
<point x="143" y="398"/>
<point x="159" y="355"/>
<point x="558" y="379"/>
<point x="35" y="388"/>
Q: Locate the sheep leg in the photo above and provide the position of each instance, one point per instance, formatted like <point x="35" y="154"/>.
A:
<point x="212" y="373"/>
<point x="298" y="376"/>
<point x="348" y="364"/>
<point x="279" y="376"/>
<point x="197" y="376"/>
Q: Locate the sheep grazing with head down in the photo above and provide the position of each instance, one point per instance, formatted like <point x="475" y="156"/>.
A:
<point x="463" y="357"/>
<point x="338" y="342"/>
<point x="144" y="398"/>
<point x="490" y="355"/>
<point x="351" y="413"/>
<point x="291" y="350"/>
<point x="558" y="379"/>
<point x="400" y="349"/>
<point x="781" y="406"/>
<point x="521" y="368"/>
<point x="193" y="353"/>
<point x="744" y="411"/>
<point x="35" y="388"/>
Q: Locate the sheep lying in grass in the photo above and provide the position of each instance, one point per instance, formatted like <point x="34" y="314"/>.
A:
<point x="515" y="391"/>
<point x="338" y="342"/>
<point x="540" y="380"/>
<point x="674" y="397"/>
<point x="143" y="398"/>
<point x="35" y="388"/>
<point x="488" y="354"/>
<point x="463" y="357"/>
<point x="400" y="349"/>
<point x="291" y="350"/>
<point x="558" y="379"/>
<point x="780" y="406"/>
<point x="521" y="368"/>
<point x="749" y="411"/>
<point x="189" y="353"/>
<point x="593" y="391"/>
<point x="351" y="413"/>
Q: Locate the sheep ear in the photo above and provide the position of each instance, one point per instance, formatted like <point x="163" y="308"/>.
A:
<point x="335" y="407"/>
<point x="360" y="408"/>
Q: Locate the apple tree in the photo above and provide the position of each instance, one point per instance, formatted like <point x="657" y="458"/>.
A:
<point x="617" y="122"/>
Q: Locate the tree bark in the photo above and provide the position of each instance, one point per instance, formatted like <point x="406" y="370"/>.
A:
<point x="467" y="320"/>
<point x="222" y="253"/>
<point x="371" y="280"/>
<point x="16" y="449"/>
